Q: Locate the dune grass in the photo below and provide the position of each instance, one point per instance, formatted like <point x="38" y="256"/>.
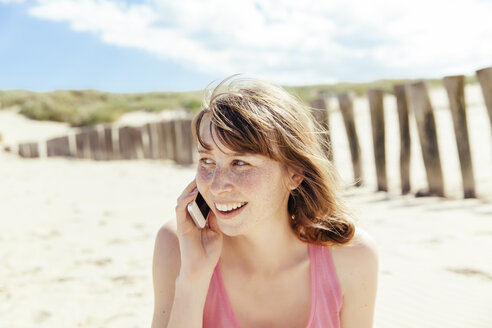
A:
<point x="308" y="93"/>
<point x="88" y="107"/>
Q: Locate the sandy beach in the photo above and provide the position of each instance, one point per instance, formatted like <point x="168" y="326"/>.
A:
<point x="77" y="236"/>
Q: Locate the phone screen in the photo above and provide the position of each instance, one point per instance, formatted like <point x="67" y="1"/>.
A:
<point x="202" y="205"/>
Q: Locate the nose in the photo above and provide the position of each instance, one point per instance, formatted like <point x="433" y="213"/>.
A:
<point x="221" y="182"/>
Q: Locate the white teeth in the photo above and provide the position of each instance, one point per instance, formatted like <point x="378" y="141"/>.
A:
<point x="229" y="207"/>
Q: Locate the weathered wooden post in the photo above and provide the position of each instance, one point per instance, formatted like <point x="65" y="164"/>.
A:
<point x="153" y="132"/>
<point x="147" y="128"/>
<point x="420" y="105"/>
<point x="58" y="147"/>
<point x="130" y="142"/>
<point x="377" y="122"/>
<point x="321" y="114"/>
<point x="34" y="146"/>
<point x="167" y="143"/>
<point x="28" y="150"/>
<point x="149" y="140"/>
<point x="484" y="76"/>
<point x="184" y="149"/>
<point x="82" y="142"/>
<point x="405" y="145"/>
<point x="138" y="141"/>
<point x="24" y="150"/>
<point x="97" y="142"/>
<point x="159" y="147"/>
<point x="455" y="87"/>
<point x="108" y="143"/>
<point x="105" y="142"/>
<point x="347" y="109"/>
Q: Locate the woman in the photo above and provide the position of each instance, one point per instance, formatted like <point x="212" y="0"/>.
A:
<point x="279" y="249"/>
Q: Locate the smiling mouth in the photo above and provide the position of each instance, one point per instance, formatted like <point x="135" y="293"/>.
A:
<point x="231" y="210"/>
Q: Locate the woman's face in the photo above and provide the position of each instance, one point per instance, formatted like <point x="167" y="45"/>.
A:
<point x="242" y="190"/>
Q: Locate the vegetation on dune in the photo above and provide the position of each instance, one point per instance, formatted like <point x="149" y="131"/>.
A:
<point x="88" y="107"/>
<point x="308" y="93"/>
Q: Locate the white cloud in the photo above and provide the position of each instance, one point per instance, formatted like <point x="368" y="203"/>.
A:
<point x="293" y="42"/>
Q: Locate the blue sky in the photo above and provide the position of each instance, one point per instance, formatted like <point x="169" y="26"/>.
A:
<point x="150" y="45"/>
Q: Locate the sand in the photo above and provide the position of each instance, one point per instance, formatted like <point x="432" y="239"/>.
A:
<point x="77" y="236"/>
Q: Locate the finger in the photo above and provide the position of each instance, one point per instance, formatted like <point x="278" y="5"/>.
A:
<point x="184" y="201"/>
<point x="190" y="186"/>
<point x="212" y="222"/>
<point x="185" y="224"/>
<point x="184" y="221"/>
<point x="189" y="189"/>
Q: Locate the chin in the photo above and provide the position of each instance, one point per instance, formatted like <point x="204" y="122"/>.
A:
<point x="232" y="229"/>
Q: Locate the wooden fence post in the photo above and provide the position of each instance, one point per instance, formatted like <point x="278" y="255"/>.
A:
<point x="58" y="147"/>
<point x="377" y="122"/>
<point x="154" y="132"/>
<point x="130" y="141"/>
<point x="28" y="150"/>
<point x="184" y="141"/>
<point x="108" y="143"/>
<point x="321" y="114"/>
<point x="347" y="109"/>
<point x="82" y="142"/>
<point x="405" y="144"/>
<point x="420" y="105"/>
<point x="157" y="140"/>
<point x="97" y="142"/>
<point x="150" y="148"/>
<point x="455" y="87"/>
<point x="484" y="76"/>
<point x="167" y="144"/>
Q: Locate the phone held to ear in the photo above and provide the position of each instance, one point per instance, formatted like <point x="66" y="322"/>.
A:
<point x="199" y="210"/>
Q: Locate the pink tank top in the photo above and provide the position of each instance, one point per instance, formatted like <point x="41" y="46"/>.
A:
<point x="326" y="296"/>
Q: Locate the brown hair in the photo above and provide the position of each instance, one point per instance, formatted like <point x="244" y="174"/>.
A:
<point x="257" y="117"/>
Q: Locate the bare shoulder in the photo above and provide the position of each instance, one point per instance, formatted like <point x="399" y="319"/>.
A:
<point x="166" y="241"/>
<point x="357" y="262"/>
<point x="362" y="248"/>
<point x="166" y="250"/>
<point x="356" y="265"/>
<point x="165" y="269"/>
<point x="168" y="228"/>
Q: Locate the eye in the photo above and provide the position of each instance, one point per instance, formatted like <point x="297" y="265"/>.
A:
<point x="239" y="162"/>
<point x="206" y="161"/>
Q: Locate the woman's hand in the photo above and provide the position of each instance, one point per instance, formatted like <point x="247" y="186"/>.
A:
<point x="200" y="248"/>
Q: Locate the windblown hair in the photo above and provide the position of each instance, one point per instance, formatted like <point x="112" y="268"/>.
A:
<point x="252" y="116"/>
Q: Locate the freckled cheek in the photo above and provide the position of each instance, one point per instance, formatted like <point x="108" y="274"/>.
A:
<point x="203" y="176"/>
<point x="249" y="180"/>
<point x="264" y="185"/>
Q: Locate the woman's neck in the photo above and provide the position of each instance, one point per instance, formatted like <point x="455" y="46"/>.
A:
<point x="269" y="248"/>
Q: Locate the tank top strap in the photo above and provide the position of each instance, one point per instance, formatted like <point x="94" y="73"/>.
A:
<point x="218" y="311"/>
<point x="326" y="276"/>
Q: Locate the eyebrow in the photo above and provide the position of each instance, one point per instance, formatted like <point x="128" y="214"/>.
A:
<point x="204" y="151"/>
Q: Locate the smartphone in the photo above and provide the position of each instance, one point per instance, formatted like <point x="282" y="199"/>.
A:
<point x="199" y="210"/>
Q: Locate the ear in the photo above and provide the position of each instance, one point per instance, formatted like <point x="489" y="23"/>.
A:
<point x="295" y="177"/>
